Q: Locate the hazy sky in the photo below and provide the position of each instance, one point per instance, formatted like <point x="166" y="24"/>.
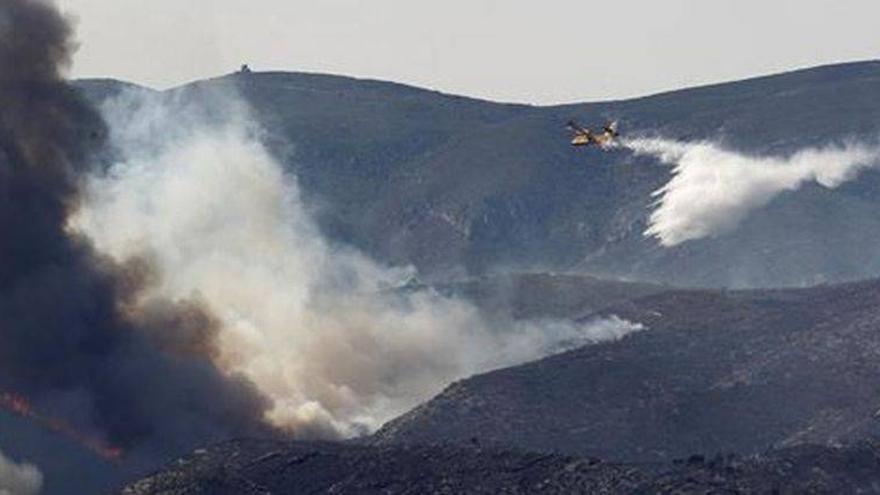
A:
<point x="513" y="50"/>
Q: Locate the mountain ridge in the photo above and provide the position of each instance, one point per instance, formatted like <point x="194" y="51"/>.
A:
<point x="818" y="71"/>
<point x="460" y="187"/>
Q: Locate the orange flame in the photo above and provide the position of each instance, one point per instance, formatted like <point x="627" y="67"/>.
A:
<point x="20" y="406"/>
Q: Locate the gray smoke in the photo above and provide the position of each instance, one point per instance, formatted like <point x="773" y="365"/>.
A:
<point x="71" y="342"/>
<point x="319" y="328"/>
<point x="162" y="284"/>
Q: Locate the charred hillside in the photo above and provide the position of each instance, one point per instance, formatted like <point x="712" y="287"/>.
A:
<point x="245" y="468"/>
<point x="715" y="371"/>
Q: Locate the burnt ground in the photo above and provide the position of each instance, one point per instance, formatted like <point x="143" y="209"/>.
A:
<point x="253" y="467"/>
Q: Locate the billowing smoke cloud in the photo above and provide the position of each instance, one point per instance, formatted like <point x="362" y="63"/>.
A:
<point x="712" y="189"/>
<point x="19" y="479"/>
<point x="70" y="341"/>
<point x="318" y="328"/>
<point x="211" y="308"/>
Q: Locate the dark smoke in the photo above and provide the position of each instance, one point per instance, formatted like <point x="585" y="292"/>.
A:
<point x="144" y="381"/>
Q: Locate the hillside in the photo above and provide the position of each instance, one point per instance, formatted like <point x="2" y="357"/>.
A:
<point x="491" y="203"/>
<point x="725" y="392"/>
<point x="251" y="468"/>
<point x="713" y="372"/>
<point x="458" y="186"/>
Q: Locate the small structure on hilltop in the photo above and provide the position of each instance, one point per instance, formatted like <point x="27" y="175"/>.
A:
<point x="245" y="69"/>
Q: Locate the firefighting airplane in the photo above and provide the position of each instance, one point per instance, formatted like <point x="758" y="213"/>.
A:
<point x="586" y="137"/>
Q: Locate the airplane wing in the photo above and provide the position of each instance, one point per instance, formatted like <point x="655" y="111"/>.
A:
<point x="575" y="127"/>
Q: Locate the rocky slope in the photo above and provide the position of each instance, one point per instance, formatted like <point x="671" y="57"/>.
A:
<point x="264" y="468"/>
<point x="714" y="371"/>
<point x="245" y="468"/>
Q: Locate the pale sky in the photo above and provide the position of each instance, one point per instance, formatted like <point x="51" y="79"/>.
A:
<point x="532" y="51"/>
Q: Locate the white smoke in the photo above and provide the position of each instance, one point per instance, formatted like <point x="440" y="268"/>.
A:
<point x="315" y="326"/>
<point x="19" y="479"/>
<point x="712" y="189"/>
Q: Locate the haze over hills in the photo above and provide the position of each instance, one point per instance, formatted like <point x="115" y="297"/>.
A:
<point x="460" y="186"/>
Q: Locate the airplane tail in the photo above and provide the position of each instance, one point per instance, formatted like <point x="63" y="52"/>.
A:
<point x="611" y="128"/>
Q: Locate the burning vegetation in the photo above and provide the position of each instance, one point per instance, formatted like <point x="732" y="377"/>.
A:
<point x="20" y="406"/>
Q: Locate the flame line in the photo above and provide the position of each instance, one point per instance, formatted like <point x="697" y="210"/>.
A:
<point x="20" y="406"/>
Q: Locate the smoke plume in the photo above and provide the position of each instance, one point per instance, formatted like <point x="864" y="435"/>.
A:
<point x="162" y="284"/>
<point x="712" y="189"/>
<point x="19" y="479"/>
<point x="70" y="340"/>
<point x="319" y="328"/>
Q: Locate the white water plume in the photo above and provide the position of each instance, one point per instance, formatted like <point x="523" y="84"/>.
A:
<point x="712" y="189"/>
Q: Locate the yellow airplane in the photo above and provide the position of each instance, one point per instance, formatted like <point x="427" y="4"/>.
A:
<point x="586" y="137"/>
